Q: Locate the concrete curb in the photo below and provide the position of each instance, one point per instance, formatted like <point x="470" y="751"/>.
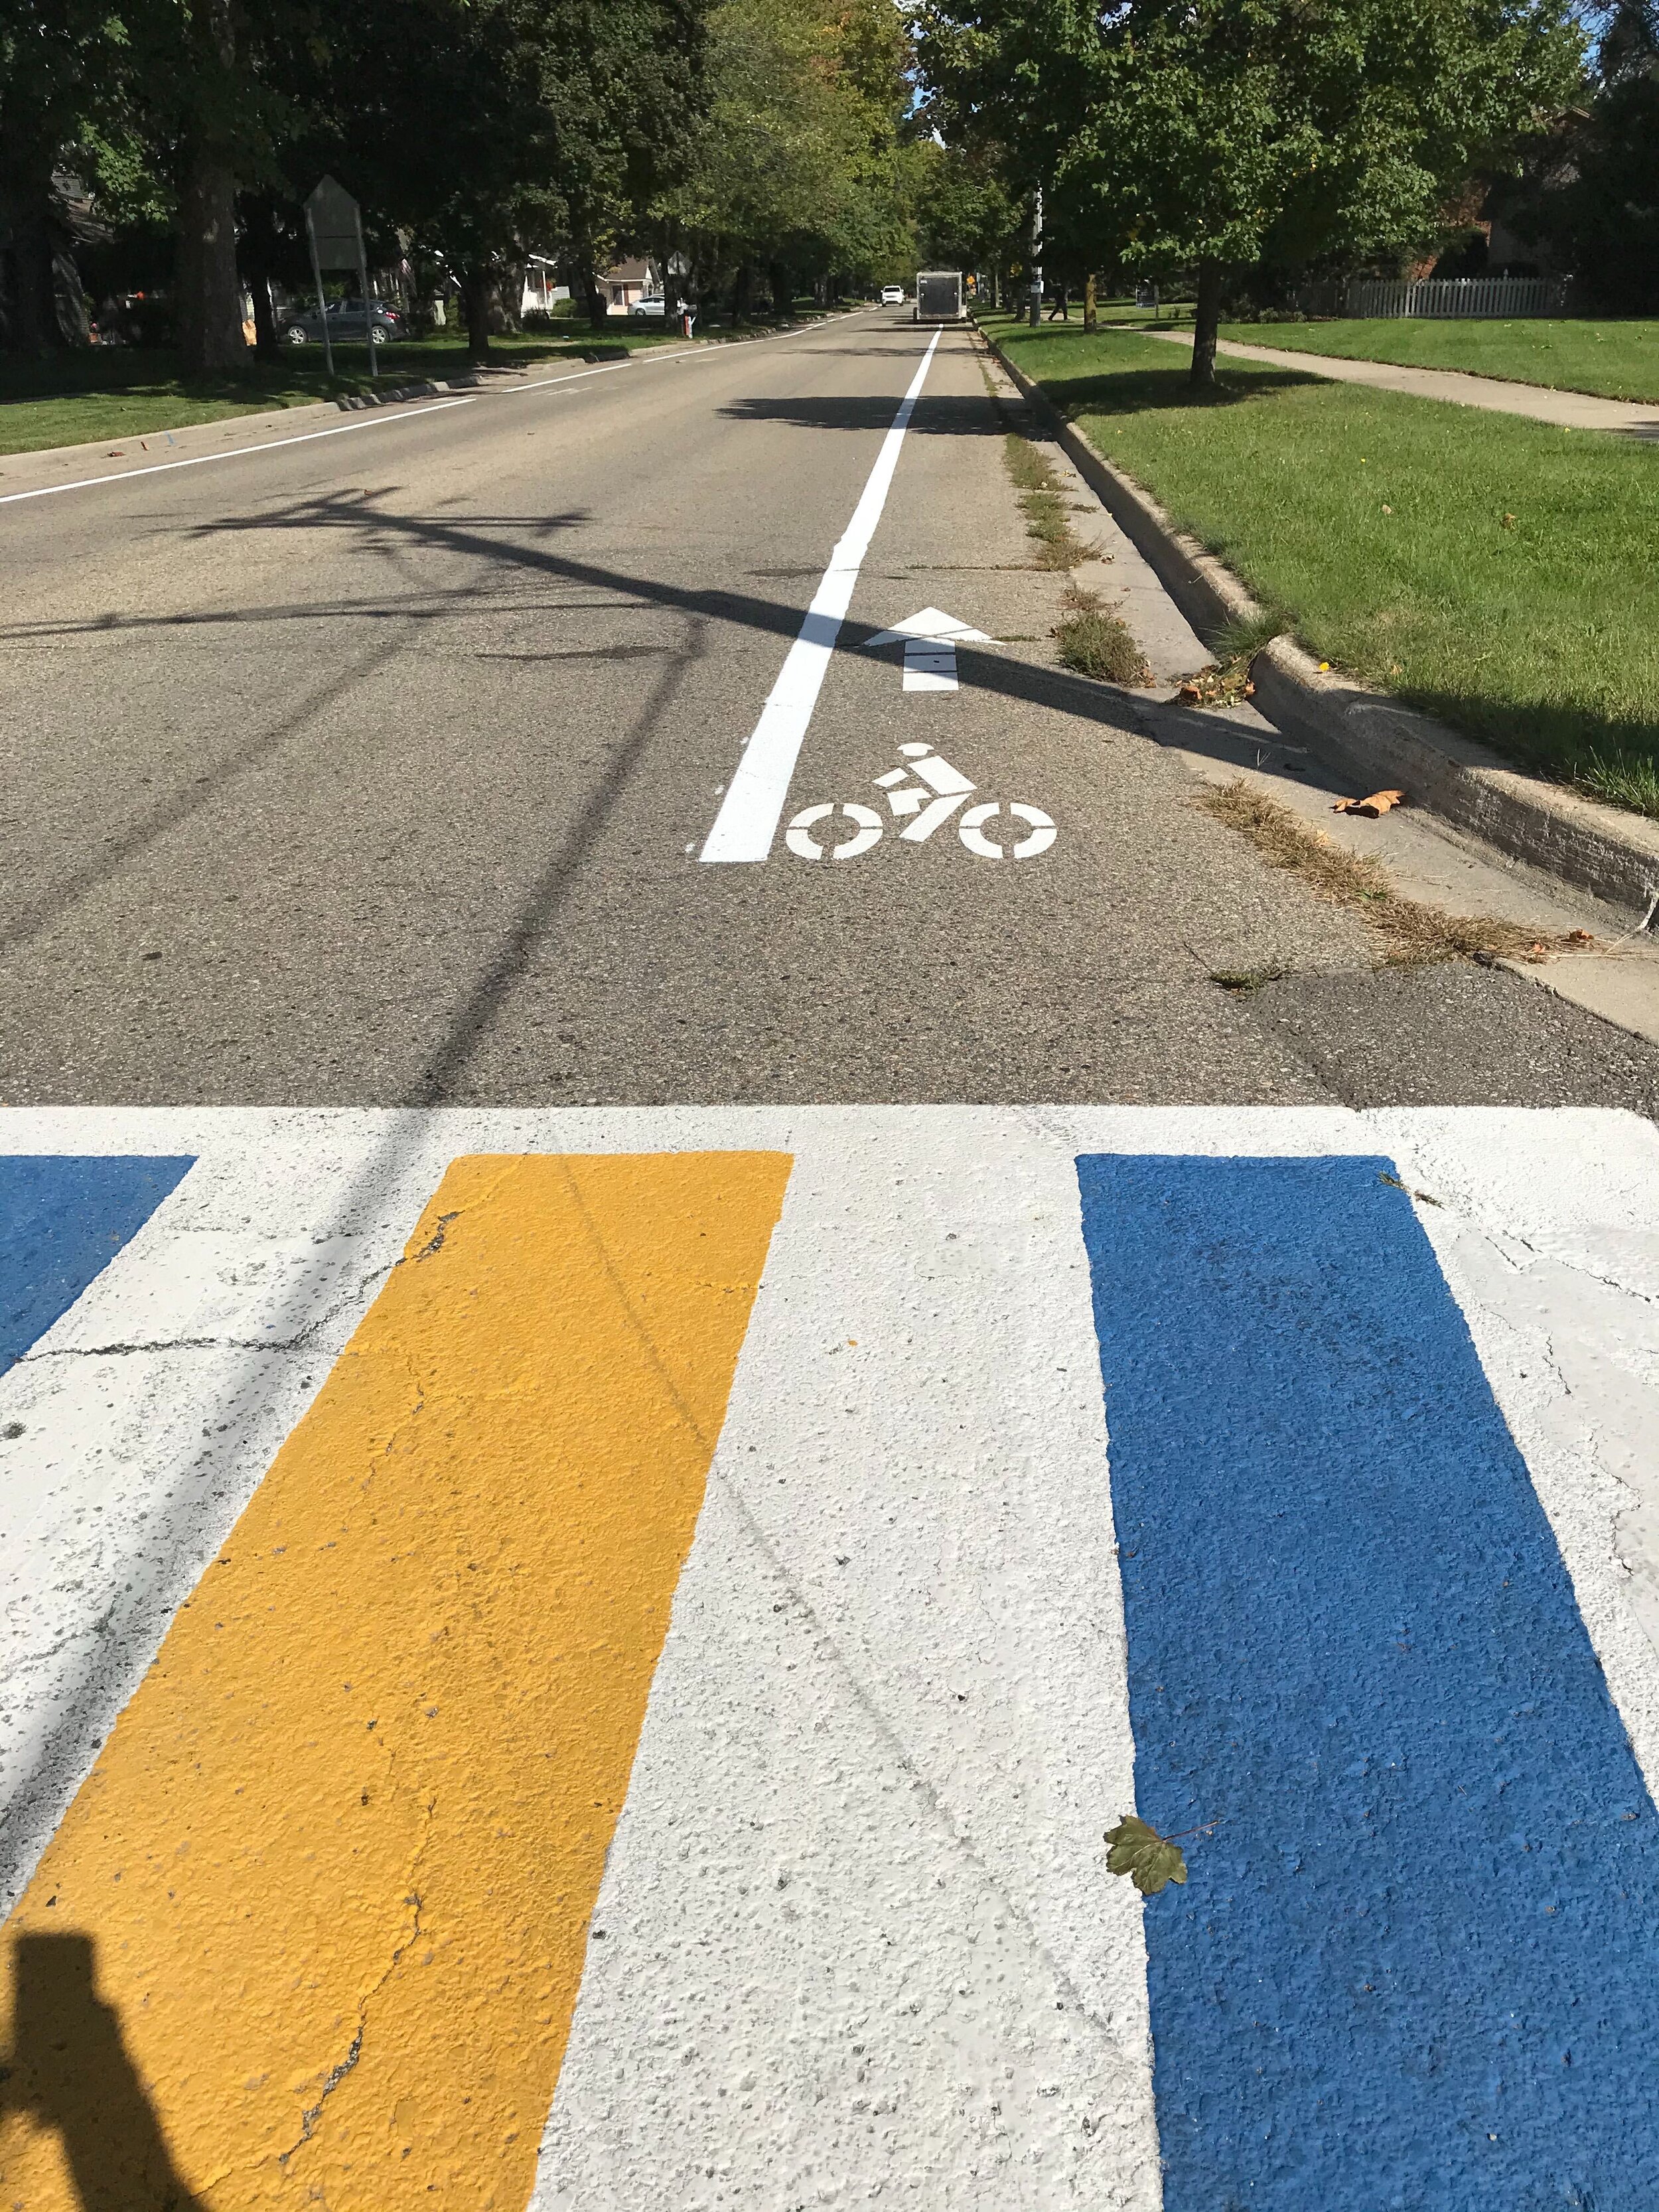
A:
<point x="1379" y="742"/>
<point x="354" y="401"/>
<point x="1614" y="854"/>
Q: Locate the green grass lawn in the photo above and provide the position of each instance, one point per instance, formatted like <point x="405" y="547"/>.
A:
<point x="1497" y="572"/>
<point x="1619" y="359"/>
<point x="120" y="391"/>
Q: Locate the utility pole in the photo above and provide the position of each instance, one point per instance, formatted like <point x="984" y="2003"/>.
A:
<point x="1036" y="259"/>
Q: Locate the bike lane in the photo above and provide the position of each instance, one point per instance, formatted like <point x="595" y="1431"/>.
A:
<point x="585" y="1658"/>
<point x="983" y="883"/>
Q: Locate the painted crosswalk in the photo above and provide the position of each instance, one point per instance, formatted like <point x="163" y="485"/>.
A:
<point x="582" y="1658"/>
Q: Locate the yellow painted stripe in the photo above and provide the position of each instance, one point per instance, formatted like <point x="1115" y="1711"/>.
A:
<point x="312" y="1929"/>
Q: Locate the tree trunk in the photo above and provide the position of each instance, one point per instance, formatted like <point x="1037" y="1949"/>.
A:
<point x="1207" y="318"/>
<point x="210" y="308"/>
<point x="259" y="241"/>
<point x="69" y="301"/>
<point x="599" y="306"/>
<point x="209" y="311"/>
<point x="266" y="341"/>
<point x="474" y="302"/>
<point x="1090" y="305"/>
<point x="740" y="285"/>
<point x="36" y="332"/>
<point x="783" y="292"/>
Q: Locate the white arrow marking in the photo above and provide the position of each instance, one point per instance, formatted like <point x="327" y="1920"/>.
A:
<point x="932" y="625"/>
<point x="930" y="640"/>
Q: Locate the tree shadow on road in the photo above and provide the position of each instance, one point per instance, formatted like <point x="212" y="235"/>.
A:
<point x="944" y="414"/>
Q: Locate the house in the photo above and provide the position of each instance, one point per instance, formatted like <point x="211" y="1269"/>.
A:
<point x="540" y="291"/>
<point x="628" y="282"/>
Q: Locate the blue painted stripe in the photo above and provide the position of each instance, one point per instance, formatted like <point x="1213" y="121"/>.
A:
<point x="1415" y="1965"/>
<point x="62" y="1219"/>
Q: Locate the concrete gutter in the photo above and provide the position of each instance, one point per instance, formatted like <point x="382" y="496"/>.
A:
<point x="1614" y="854"/>
<point x="1474" y="790"/>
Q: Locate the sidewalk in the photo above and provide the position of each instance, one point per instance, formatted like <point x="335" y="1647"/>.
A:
<point x="1573" y="411"/>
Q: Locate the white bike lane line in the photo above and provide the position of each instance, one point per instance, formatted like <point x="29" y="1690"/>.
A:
<point x="749" y="813"/>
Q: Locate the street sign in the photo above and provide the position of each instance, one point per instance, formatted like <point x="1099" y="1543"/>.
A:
<point x="335" y="227"/>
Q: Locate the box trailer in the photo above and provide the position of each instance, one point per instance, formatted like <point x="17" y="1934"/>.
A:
<point x="939" y="296"/>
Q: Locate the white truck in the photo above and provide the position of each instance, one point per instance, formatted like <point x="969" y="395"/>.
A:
<point x="939" y="296"/>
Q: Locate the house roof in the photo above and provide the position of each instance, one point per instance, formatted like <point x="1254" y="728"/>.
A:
<point x="627" y="272"/>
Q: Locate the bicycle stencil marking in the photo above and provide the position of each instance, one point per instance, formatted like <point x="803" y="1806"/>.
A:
<point x="924" y="796"/>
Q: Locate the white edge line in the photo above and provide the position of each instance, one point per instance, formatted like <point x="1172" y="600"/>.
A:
<point x="380" y="422"/>
<point x="748" y="818"/>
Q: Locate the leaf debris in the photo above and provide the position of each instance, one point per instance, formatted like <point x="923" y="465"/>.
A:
<point x="1394" y="1183"/>
<point x="1410" y="931"/>
<point x="1380" y="802"/>
<point x="1150" y="1861"/>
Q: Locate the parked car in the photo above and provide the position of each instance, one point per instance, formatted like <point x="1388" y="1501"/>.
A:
<point x="345" y="324"/>
<point x="892" y="296"/>
<point x="649" y="304"/>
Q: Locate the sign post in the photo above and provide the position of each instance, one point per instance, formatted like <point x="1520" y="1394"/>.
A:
<point x="322" y="304"/>
<point x="334" y="225"/>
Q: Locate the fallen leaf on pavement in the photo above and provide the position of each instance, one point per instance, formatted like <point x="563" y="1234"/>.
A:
<point x="1380" y="802"/>
<point x="1150" y="1860"/>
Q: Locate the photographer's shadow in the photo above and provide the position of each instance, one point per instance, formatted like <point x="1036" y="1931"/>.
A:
<point x="68" y="2071"/>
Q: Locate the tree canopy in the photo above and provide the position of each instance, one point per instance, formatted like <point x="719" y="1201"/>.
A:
<point x="1216" y="135"/>
<point x="1591" y="191"/>
<point x="796" y="165"/>
<point x="743" y="142"/>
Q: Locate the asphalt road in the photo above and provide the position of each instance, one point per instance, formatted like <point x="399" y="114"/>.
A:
<point x="585" y="1650"/>
<point x="374" y="769"/>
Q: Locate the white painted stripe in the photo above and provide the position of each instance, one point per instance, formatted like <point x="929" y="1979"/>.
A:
<point x="378" y="422"/>
<point x="233" y="452"/>
<point x="859" y="1942"/>
<point x="747" y="819"/>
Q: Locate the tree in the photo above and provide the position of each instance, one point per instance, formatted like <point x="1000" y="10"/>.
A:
<point x="61" y="64"/>
<point x="543" y="119"/>
<point x="1593" y="193"/>
<point x="1216" y="135"/>
<point x="213" y="89"/>
<point x="963" y="212"/>
<point x="796" y="168"/>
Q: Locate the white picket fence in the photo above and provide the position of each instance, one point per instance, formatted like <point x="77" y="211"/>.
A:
<point x="1484" y="296"/>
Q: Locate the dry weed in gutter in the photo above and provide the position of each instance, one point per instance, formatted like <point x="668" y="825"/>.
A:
<point x="1412" y="933"/>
